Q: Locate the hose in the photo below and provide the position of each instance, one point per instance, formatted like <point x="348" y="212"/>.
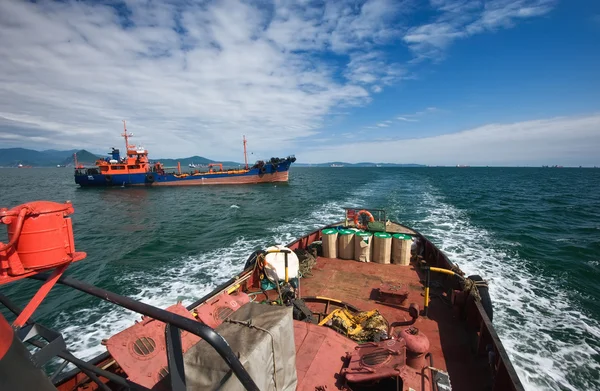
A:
<point x="17" y="232"/>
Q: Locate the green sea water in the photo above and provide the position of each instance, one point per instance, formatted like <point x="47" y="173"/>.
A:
<point x="533" y="233"/>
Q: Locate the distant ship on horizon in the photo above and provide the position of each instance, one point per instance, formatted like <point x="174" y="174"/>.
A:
<point x="336" y="165"/>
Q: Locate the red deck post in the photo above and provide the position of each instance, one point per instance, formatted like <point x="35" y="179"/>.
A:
<point x="39" y="296"/>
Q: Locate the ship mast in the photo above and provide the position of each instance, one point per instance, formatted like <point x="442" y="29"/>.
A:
<point x="245" y="153"/>
<point x="126" y="135"/>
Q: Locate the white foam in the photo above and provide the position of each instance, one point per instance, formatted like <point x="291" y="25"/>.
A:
<point x="186" y="279"/>
<point x="545" y="336"/>
<point x="179" y="280"/>
<point x="528" y="310"/>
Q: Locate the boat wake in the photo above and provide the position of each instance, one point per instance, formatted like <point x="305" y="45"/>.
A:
<point x="549" y="340"/>
<point x="188" y="278"/>
<point x="552" y="343"/>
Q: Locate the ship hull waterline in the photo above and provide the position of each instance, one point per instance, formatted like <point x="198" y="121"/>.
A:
<point x="253" y="176"/>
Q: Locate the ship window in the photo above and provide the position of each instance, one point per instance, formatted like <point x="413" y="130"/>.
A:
<point x="134" y="167"/>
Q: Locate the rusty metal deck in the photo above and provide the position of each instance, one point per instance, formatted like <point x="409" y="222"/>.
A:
<point x="354" y="282"/>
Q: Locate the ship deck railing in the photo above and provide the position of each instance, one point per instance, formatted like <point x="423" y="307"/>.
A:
<point x="55" y="346"/>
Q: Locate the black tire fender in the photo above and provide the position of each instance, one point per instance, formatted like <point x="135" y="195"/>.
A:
<point x="484" y="293"/>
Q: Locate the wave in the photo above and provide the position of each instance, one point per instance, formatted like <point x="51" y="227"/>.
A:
<point x="186" y="279"/>
<point x="552" y="343"/>
<point x="549" y="340"/>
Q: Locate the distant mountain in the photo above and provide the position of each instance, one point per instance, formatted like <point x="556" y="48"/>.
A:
<point x="60" y="155"/>
<point x="83" y="157"/>
<point x="361" y="164"/>
<point x="12" y="157"/>
<point x="194" y="160"/>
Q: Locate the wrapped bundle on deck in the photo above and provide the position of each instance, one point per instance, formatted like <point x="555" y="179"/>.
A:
<point x="263" y="337"/>
<point x="382" y="247"/>
<point x="330" y="238"/>
<point x="401" y="245"/>
<point x="346" y="244"/>
<point x="362" y="246"/>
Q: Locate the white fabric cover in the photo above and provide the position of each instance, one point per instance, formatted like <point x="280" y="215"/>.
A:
<point x="362" y="248"/>
<point x="277" y="260"/>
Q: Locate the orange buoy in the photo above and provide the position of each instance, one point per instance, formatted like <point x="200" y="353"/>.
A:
<point x="357" y="218"/>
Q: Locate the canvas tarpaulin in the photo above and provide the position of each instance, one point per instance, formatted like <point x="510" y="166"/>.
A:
<point x="262" y="336"/>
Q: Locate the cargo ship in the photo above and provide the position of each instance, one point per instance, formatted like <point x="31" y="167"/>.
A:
<point x="362" y="304"/>
<point x="135" y="169"/>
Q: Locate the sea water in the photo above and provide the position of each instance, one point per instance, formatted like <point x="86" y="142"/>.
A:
<point x="533" y="233"/>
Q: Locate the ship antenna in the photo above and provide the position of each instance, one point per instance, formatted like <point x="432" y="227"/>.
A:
<point x="245" y="153"/>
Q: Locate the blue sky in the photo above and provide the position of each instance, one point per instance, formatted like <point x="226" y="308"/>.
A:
<point x="500" y="82"/>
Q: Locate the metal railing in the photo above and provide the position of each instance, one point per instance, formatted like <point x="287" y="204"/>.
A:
<point x="56" y="347"/>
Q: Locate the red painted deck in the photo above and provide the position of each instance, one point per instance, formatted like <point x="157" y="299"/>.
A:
<point x="319" y="351"/>
<point x="354" y="282"/>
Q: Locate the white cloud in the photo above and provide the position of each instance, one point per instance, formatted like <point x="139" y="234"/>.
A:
<point x="420" y="113"/>
<point x="190" y="78"/>
<point x="372" y="67"/>
<point x="461" y="19"/>
<point x="562" y="140"/>
<point x="406" y="119"/>
<point x="409" y="117"/>
<point x="427" y="110"/>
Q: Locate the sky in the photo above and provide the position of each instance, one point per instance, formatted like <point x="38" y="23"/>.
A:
<point x="439" y="82"/>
